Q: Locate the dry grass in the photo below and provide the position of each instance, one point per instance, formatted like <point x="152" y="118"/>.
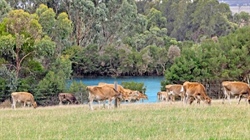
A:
<point x="156" y="121"/>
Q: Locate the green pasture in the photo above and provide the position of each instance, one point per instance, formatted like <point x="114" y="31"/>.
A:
<point x="136" y="121"/>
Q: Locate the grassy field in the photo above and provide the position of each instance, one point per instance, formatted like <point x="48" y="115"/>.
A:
<point x="138" y="121"/>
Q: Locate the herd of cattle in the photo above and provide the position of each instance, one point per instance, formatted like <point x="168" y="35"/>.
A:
<point x="188" y="92"/>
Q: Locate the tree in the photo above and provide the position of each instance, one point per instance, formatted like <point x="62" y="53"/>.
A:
<point x="134" y="86"/>
<point x="173" y="52"/>
<point x="58" y="28"/>
<point x="79" y="90"/>
<point x="188" y="20"/>
<point x="5" y="8"/>
<point x="242" y="18"/>
<point x="48" y="88"/>
<point x="21" y="40"/>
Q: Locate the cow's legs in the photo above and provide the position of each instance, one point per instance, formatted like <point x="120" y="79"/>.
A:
<point x="240" y="96"/>
<point x="14" y="104"/>
<point x="187" y="97"/>
<point x="226" y="96"/>
<point x="171" y="96"/>
<point x="90" y="104"/>
<point x="183" y="98"/>
<point x="109" y="103"/>
<point x="104" y="103"/>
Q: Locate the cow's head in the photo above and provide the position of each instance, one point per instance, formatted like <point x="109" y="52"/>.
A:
<point x="208" y="100"/>
<point x="76" y="102"/>
<point x="143" y="96"/>
<point x="119" y="96"/>
<point x="34" y="104"/>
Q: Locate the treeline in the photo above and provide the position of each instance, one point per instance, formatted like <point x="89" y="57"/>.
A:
<point x="44" y="43"/>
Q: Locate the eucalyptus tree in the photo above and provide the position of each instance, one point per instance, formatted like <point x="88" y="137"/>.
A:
<point x="31" y="5"/>
<point x="173" y="52"/>
<point x="5" y="8"/>
<point x="57" y="27"/>
<point x="101" y="22"/>
<point x="22" y="39"/>
<point x="192" y="20"/>
<point x="159" y="59"/>
<point x="174" y="11"/>
<point x="22" y="46"/>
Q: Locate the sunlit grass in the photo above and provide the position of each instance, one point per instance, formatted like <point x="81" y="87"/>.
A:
<point x="154" y="121"/>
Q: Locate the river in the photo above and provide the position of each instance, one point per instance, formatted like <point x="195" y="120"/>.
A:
<point x="151" y="83"/>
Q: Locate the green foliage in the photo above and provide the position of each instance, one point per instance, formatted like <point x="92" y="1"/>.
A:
<point x="134" y="86"/>
<point x="46" y="18"/>
<point x="194" y="20"/>
<point x="57" y="28"/>
<point x="26" y="84"/>
<point x="45" y="47"/>
<point x="48" y="88"/>
<point x="5" y="8"/>
<point x="199" y="62"/>
<point x="155" y="18"/>
<point x="79" y="90"/>
<point x="242" y="18"/>
<point x="11" y="81"/>
<point x="4" y="94"/>
<point x="63" y="64"/>
<point x="83" y="61"/>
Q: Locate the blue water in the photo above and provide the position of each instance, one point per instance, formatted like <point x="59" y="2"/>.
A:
<point x="151" y="83"/>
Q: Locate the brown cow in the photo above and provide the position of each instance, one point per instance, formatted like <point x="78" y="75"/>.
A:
<point x="196" y="91"/>
<point x="174" y="90"/>
<point x="130" y="95"/>
<point x="102" y="93"/>
<point x="69" y="97"/>
<point x="24" y="97"/>
<point x="142" y="96"/>
<point x="235" y="88"/>
<point x="119" y="89"/>
<point x="162" y="96"/>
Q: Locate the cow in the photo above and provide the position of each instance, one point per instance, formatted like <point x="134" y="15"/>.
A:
<point x="142" y="96"/>
<point x="235" y="88"/>
<point x="102" y="93"/>
<point x="195" y="90"/>
<point x="118" y="87"/>
<point x="137" y="96"/>
<point x="67" y="97"/>
<point x="25" y="97"/>
<point x="162" y="96"/>
<point x="130" y="95"/>
<point x="174" y="90"/>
